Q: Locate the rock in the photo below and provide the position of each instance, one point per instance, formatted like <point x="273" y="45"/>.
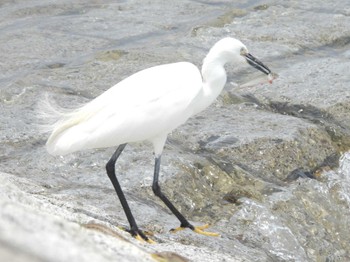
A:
<point x="36" y="226"/>
<point x="260" y="164"/>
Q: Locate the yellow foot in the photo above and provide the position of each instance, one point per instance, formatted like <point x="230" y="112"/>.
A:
<point x="174" y="230"/>
<point x="140" y="235"/>
<point x="198" y="230"/>
<point x="148" y="240"/>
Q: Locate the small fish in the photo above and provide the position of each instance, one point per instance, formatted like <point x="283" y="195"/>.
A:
<point x="261" y="80"/>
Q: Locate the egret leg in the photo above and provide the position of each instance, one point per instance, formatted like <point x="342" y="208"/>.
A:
<point x="184" y="222"/>
<point x="110" y="167"/>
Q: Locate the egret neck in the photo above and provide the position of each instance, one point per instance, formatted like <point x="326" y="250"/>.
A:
<point x="214" y="79"/>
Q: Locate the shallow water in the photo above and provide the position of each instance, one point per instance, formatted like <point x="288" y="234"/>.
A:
<point x="73" y="51"/>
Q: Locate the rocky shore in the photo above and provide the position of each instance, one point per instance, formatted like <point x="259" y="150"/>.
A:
<point x="265" y="165"/>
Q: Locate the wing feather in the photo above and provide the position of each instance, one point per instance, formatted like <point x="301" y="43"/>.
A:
<point x="153" y="101"/>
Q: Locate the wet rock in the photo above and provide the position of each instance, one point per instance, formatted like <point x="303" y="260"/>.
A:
<point x="244" y="153"/>
<point x="242" y="165"/>
<point x="301" y="94"/>
<point x="36" y="226"/>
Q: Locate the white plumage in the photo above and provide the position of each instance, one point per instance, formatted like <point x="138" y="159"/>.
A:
<point x="144" y="106"/>
<point x="148" y="105"/>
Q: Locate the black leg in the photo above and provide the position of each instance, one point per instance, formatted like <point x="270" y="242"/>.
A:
<point x="158" y="193"/>
<point x="110" y="167"/>
<point x="184" y="222"/>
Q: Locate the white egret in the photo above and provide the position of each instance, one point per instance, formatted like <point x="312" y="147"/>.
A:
<point x="148" y="105"/>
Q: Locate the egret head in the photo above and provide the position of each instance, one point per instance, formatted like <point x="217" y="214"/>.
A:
<point x="232" y="50"/>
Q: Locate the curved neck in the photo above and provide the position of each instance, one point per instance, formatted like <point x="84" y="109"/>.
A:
<point x="214" y="79"/>
<point x="213" y="71"/>
<point x="214" y="74"/>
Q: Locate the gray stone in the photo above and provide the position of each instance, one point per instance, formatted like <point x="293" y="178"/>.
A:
<point x="260" y="164"/>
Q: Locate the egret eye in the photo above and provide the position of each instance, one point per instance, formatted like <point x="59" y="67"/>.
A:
<point x="243" y="51"/>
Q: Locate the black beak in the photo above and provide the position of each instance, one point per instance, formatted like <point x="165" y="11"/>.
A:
<point x="254" y="62"/>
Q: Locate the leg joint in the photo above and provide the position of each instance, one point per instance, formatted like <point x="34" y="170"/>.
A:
<point x="110" y="168"/>
<point x="156" y="189"/>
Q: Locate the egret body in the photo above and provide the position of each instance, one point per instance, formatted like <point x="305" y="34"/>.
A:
<point x="148" y="105"/>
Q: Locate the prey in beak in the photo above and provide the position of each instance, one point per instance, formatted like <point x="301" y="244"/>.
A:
<point x="256" y="63"/>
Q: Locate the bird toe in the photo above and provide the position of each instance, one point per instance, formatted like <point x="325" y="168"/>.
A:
<point x="198" y="230"/>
